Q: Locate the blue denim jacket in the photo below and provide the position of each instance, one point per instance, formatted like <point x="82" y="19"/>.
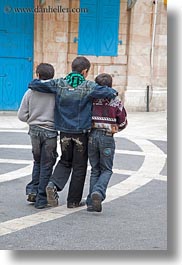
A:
<point x="73" y="106"/>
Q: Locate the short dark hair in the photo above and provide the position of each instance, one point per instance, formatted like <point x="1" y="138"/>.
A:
<point x="79" y="64"/>
<point x="45" y="71"/>
<point x="104" y="80"/>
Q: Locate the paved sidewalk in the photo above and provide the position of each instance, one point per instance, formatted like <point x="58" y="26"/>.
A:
<point x="134" y="213"/>
<point x="9" y="120"/>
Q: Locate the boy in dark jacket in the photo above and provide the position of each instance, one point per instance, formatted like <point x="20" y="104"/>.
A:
<point x="108" y="117"/>
<point x="74" y="96"/>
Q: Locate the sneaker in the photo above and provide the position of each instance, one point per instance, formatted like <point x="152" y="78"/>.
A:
<point x="31" y="197"/>
<point x="52" y="195"/>
<point x="75" y="204"/>
<point x="96" y="202"/>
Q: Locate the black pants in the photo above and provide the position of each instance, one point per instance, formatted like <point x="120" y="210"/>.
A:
<point x="74" y="148"/>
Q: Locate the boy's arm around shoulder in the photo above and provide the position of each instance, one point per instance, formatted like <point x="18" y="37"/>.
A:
<point x="23" y="112"/>
<point x="47" y="86"/>
<point x="123" y="125"/>
<point x="97" y="91"/>
<point x="121" y="115"/>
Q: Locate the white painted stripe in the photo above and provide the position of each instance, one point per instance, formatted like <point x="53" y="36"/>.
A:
<point x="16" y="146"/>
<point x="138" y="153"/>
<point x="16" y="174"/>
<point x="161" y="177"/>
<point x="7" y="130"/>
<point x="118" y="171"/>
<point x="42" y="216"/>
<point x="141" y="135"/>
<point x="149" y="170"/>
<point x="117" y="151"/>
<point x="25" y="171"/>
<point x="15" y="161"/>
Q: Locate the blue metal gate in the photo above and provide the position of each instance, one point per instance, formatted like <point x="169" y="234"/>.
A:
<point x="16" y="51"/>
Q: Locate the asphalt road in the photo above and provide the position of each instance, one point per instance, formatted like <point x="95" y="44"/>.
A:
<point x="134" y="214"/>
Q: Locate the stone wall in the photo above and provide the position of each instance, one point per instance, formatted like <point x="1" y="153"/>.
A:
<point x="51" y="37"/>
<point x="54" y="43"/>
<point x="140" y="74"/>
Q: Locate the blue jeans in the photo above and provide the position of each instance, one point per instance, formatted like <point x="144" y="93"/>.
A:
<point x="44" y="145"/>
<point x="101" y="148"/>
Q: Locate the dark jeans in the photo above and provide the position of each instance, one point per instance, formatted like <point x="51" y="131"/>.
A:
<point x="101" y="148"/>
<point x="73" y="161"/>
<point x="44" y="145"/>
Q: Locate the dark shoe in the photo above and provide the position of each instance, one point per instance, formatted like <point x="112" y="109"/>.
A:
<point x="96" y="202"/>
<point x="75" y="204"/>
<point x="31" y="197"/>
<point x="41" y="206"/>
<point x="52" y="195"/>
<point x="90" y="208"/>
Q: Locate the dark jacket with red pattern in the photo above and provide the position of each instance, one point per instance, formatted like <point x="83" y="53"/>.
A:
<point x="109" y="115"/>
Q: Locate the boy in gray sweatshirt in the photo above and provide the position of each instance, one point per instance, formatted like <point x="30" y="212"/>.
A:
<point x="37" y="109"/>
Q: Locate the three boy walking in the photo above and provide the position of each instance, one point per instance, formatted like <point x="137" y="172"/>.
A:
<point x="74" y="99"/>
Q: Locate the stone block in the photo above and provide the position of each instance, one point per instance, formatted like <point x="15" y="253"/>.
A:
<point x="141" y="18"/>
<point x="123" y="7"/>
<point x="104" y="59"/>
<point x="61" y="27"/>
<point x="143" y="6"/>
<point x="51" y="57"/>
<point x="123" y="28"/>
<point x="119" y="80"/>
<point x="62" y="38"/>
<point x="139" y="49"/>
<point x="141" y="30"/>
<point x="114" y="70"/>
<point x="123" y="37"/>
<point x="123" y="17"/>
<point x="73" y="48"/>
<point x="122" y="49"/>
<point x="161" y="29"/>
<point x="161" y="40"/>
<point x="139" y="39"/>
<point x="162" y="18"/>
<point x="73" y="17"/>
<point x="137" y="81"/>
<point x="122" y="59"/>
<point x="139" y="69"/>
<point x="73" y="27"/>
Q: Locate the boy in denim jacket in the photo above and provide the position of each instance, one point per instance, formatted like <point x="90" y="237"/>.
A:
<point x="38" y="111"/>
<point x="108" y="117"/>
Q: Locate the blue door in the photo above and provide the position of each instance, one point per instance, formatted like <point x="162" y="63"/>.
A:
<point x="16" y="52"/>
